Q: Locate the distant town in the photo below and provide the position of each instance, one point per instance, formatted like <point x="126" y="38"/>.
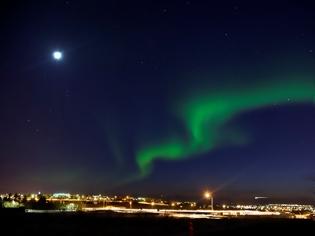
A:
<point x="66" y="202"/>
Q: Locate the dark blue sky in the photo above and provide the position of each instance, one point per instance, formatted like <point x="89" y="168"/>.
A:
<point x="78" y="124"/>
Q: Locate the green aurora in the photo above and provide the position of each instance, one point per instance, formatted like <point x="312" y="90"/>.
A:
<point x="204" y="117"/>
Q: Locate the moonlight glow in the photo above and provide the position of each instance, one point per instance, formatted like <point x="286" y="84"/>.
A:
<point x="57" y="55"/>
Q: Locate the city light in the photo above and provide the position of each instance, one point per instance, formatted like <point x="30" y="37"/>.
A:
<point x="66" y="202"/>
<point x="207" y="195"/>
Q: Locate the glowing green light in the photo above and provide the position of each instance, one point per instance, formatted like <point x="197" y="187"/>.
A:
<point x="204" y="116"/>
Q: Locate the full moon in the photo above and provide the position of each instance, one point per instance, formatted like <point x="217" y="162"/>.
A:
<point x="57" y="55"/>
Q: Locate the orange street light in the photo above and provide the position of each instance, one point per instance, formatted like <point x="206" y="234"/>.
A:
<point x="208" y="195"/>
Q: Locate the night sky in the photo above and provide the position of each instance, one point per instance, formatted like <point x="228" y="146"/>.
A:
<point x="159" y="98"/>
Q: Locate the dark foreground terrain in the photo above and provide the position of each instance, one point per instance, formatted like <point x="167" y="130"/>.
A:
<point x="112" y="224"/>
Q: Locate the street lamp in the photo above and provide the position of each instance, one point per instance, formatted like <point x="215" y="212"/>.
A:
<point x="208" y="195"/>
